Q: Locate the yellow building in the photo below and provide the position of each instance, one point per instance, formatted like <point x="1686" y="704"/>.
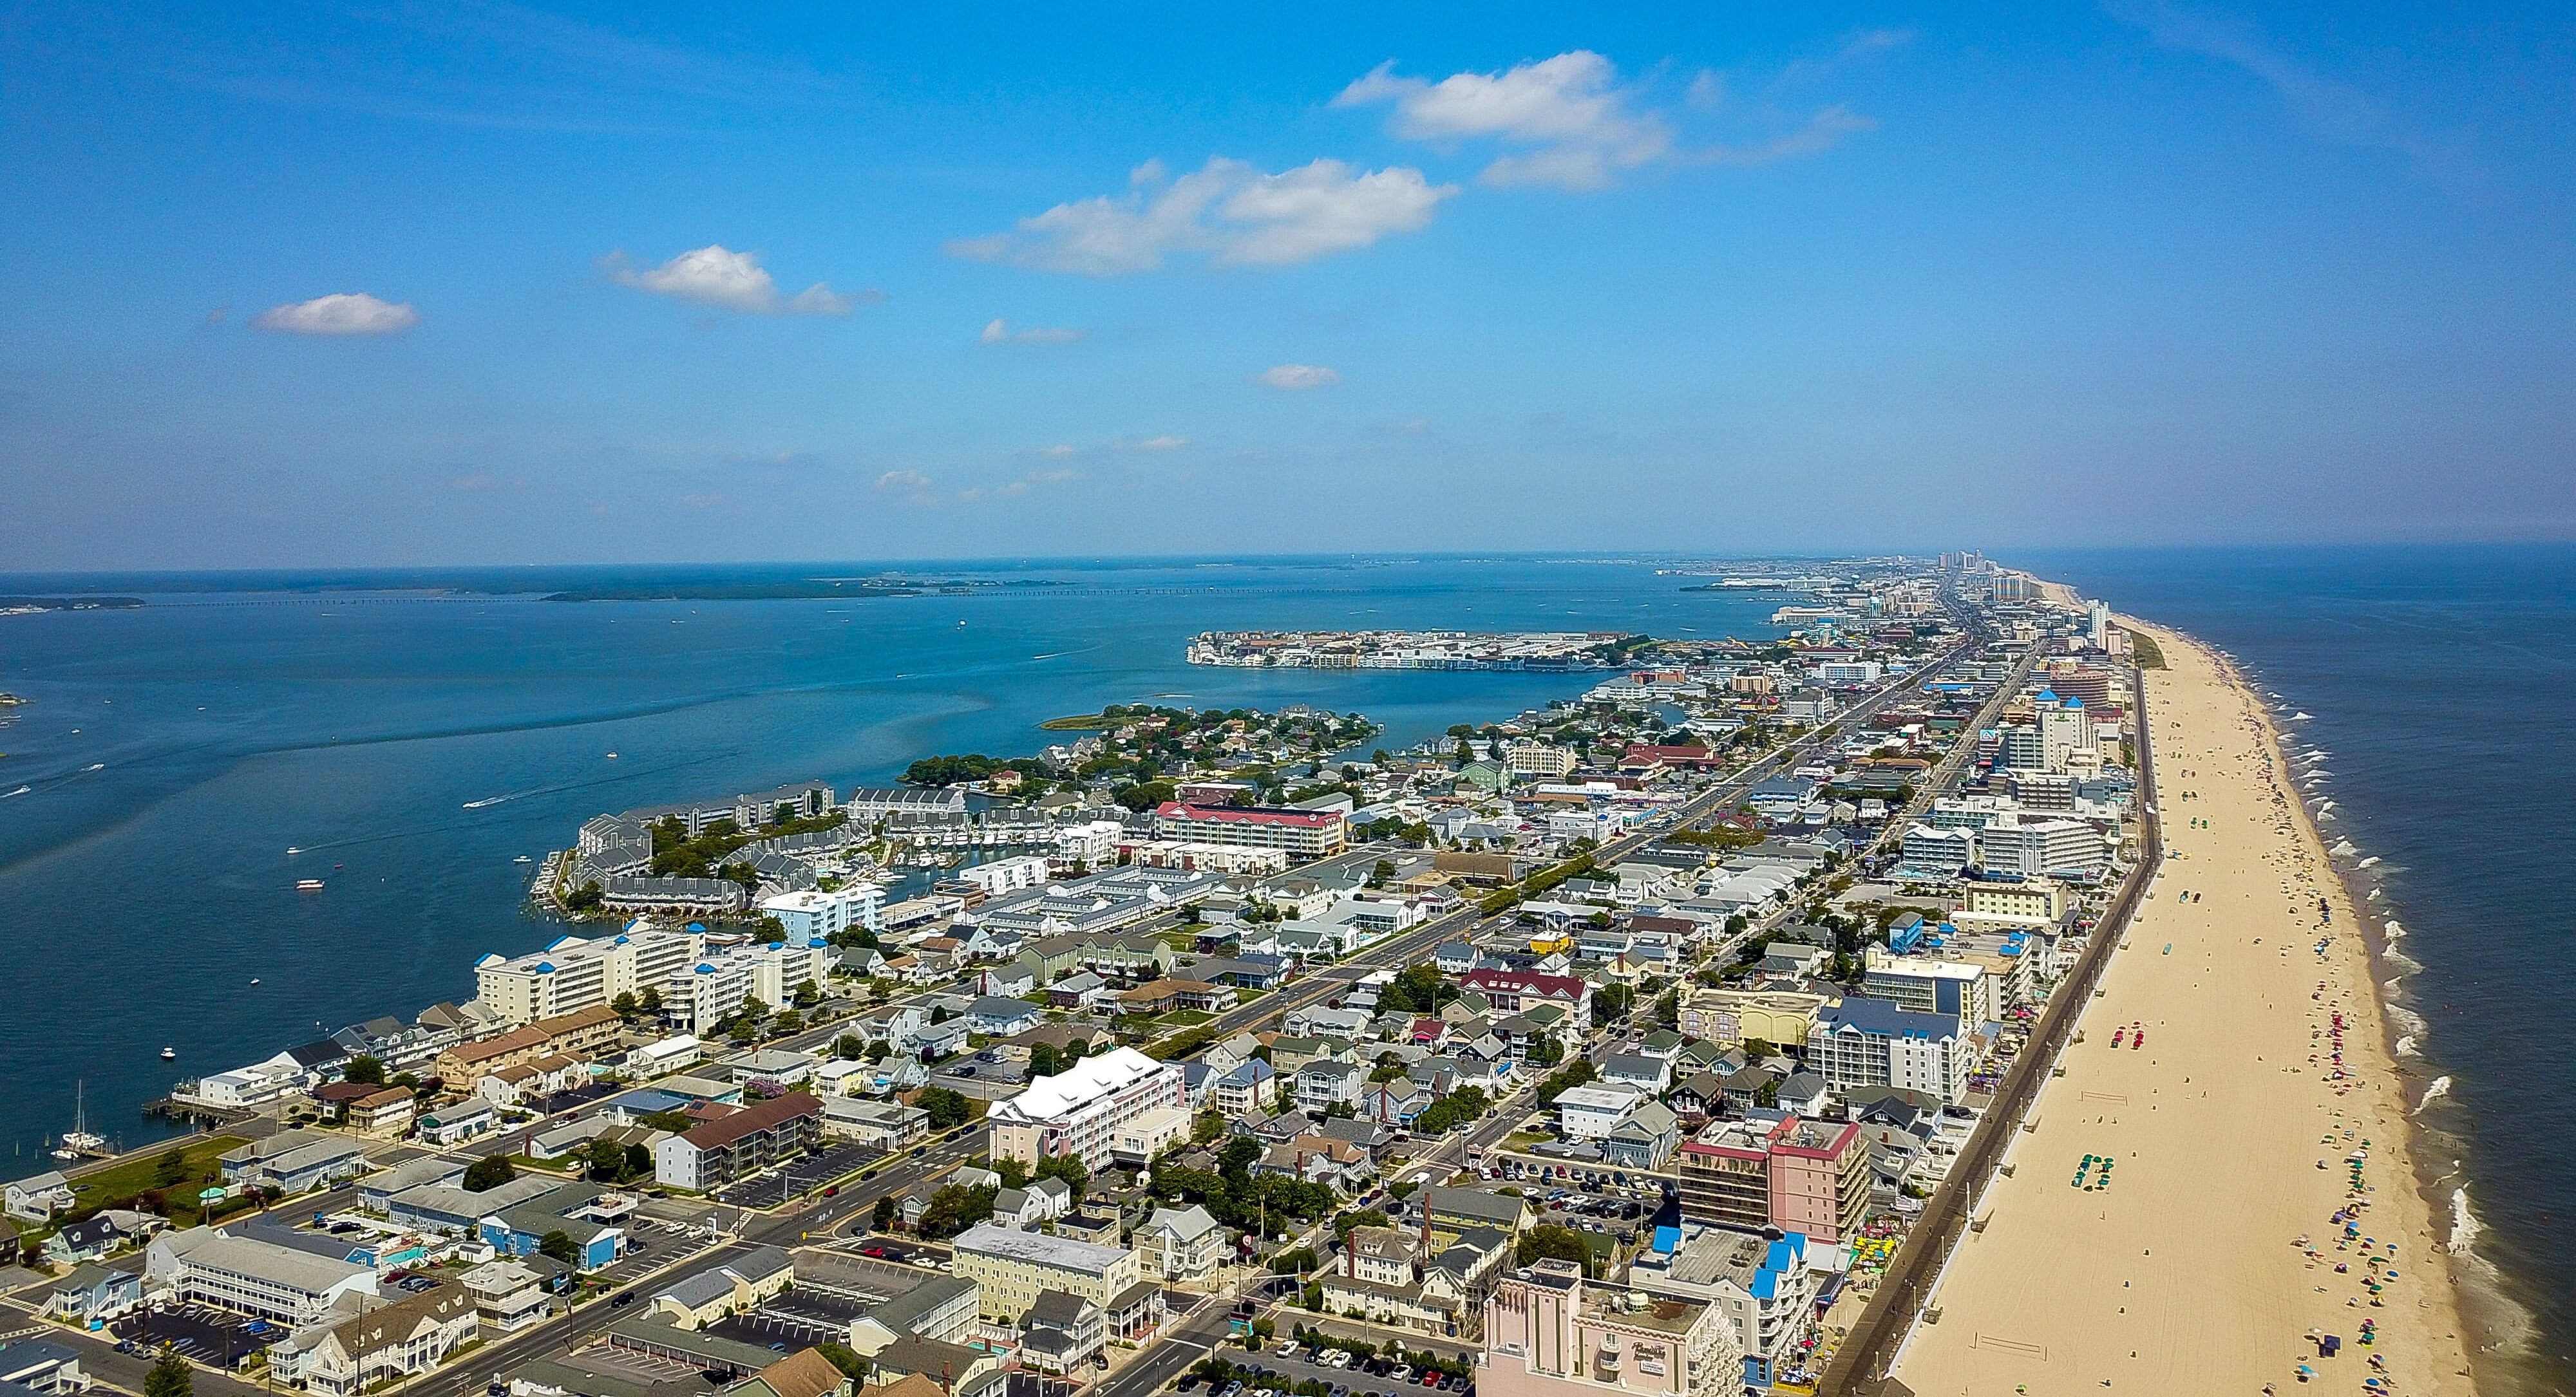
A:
<point x="1011" y="1267"/>
<point x="1728" y="1017"/>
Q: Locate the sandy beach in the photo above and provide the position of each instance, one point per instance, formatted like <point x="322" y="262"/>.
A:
<point x="2247" y="1187"/>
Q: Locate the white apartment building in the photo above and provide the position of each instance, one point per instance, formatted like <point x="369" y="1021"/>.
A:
<point x="1850" y="674"/>
<point x="1864" y="1042"/>
<point x="854" y="906"/>
<point x="1009" y="875"/>
<point x="704" y="994"/>
<point x="1080" y="1111"/>
<point x="1590" y="1112"/>
<point x="2038" y="846"/>
<point x="574" y="974"/>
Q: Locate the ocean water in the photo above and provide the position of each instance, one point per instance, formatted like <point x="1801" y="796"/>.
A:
<point x="171" y="755"/>
<point x="2441" y="684"/>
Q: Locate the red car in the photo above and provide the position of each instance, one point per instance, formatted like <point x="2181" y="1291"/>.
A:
<point x="1430" y="1377"/>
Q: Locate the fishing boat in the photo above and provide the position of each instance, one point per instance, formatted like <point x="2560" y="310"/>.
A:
<point x="254" y="979"/>
<point x="308" y="885"/>
<point x="169" y="1054"/>
<point x="80" y="1143"/>
<point x="523" y="859"/>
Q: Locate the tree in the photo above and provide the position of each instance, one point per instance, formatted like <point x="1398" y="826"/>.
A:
<point x="839" y="1356"/>
<point x="639" y="1162"/>
<point x="170" y="1170"/>
<point x="1209" y="1127"/>
<point x="1342" y="1225"/>
<point x="790" y="1021"/>
<point x="365" y="1071"/>
<point x="808" y="994"/>
<point x="560" y="1245"/>
<point x="887" y="1212"/>
<point x="170" y="1377"/>
<point x="848" y="1045"/>
<point x="606" y="1158"/>
<point x="947" y="1109"/>
<point x="753" y="1008"/>
<point x="1382" y="874"/>
<point x="1044" y="1060"/>
<point x="955" y="1208"/>
<point x="491" y="1171"/>
<point x="651" y="999"/>
<point x="624" y="1005"/>
<point x="1550" y="1241"/>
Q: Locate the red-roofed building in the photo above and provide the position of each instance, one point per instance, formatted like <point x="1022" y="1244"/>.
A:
<point x="1304" y="834"/>
<point x="1511" y="991"/>
<point x="719" y="1151"/>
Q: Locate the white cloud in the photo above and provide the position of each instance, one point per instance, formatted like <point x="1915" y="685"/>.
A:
<point x="1226" y="209"/>
<point x="1294" y="377"/>
<point x="903" y="480"/>
<point x="999" y="331"/>
<point x="1578" y="126"/>
<point x="717" y="276"/>
<point x="348" y="313"/>
<point x="1059" y="449"/>
<point x="1162" y="443"/>
<point x="1585" y="123"/>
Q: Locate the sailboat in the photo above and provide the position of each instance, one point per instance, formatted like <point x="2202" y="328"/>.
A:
<point x="80" y="1142"/>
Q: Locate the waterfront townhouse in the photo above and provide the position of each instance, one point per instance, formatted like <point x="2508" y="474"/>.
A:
<point x="1012" y="1268"/>
<point x="210" y="1266"/>
<point x="1302" y="834"/>
<point x="748" y="811"/>
<point x="364" y="1343"/>
<point x="579" y="1035"/>
<point x="293" y="1161"/>
<point x="1550" y="1333"/>
<point x="717" y="1152"/>
<point x="38" y="1197"/>
<point x="1082" y="1110"/>
<point x="1863" y="1042"/>
<point x="573" y="973"/>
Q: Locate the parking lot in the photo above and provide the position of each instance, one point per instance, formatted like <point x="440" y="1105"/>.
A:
<point x="199" y="1333"/>
<point x="792" y="1323"/>
<point x="800" y="1175"/>
<point x="1352" y="1381"/>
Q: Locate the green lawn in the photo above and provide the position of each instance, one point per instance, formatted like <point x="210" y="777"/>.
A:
<point x="1079" y="722"/>
<point x="197" y="1170"/>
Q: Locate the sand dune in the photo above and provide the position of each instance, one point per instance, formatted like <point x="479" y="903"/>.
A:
<point x="2229" y="1132"/>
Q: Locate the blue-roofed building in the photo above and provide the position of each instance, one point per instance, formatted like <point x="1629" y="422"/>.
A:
<point x="1763" y="1285"/>
<point x="1865" y="1042"/>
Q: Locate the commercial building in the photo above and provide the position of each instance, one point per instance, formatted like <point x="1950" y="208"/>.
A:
<point x="1864" y="1042"/>
<point x="574" y="973"/>
<point x="1729" y="1017"/>
<point x="1012" y="1268"/>
<point x="1526" y="758"/>
<point x="1958" y="989"/>
<point x="2033" y="902"/>
<point x="1804" y="1176"/>
<point x="210" y="1266"/>
<point x="1763" y="1285"/>
<point x="1550" y="1333"/>
<point x="1303" y="834"/>
<point x="749" y="1140"/>
<point x="1081" y="1110"/>
<point x="2035" y="846"/>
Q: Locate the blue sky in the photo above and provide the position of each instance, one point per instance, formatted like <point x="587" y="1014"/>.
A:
<point x="448" y="284"/>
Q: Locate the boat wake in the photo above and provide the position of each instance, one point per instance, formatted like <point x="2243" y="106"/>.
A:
<point x="22" y="790"/>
